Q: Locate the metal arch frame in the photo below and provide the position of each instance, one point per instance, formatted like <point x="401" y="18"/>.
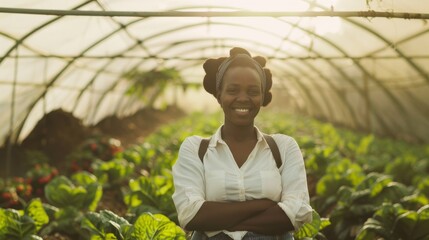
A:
<point x="21" y="40"/>
<point x="40" y="54"/>
<point x="330" y="63"/>
<point x="153" y="36"/>
<point x="360" y="91"/>
<point x="423" y="74"/>
<point x="333" y="65"/>
<point x="306" y="63"/>
<point x="96" y="43"/>
<point x="339" y="95"/>
<point x="383" y="39"/>
<point x="165" y="49"/>
<point x="397" y="43"/>
<point x="229" y="46"/>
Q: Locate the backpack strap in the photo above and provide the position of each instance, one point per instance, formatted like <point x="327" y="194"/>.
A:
<point x="203" y="148"/>
<point x="270" y="140"/>
<point x="274" y="149"/>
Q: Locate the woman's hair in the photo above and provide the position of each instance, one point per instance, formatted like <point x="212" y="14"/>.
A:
<point x="211" y="67"/>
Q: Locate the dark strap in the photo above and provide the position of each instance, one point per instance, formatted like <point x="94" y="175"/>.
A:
<point x="270" y="140"/>
<point x="203" y="148"/>
<point x="274" y="149"/>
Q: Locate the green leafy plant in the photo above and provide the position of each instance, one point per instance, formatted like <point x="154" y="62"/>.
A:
<point x="156" y="226"/>
<point x="394" y="222"/>
<point x="149" y="85"/>
<point x="112" y="172"/>
<point x="71" y="199"/>
<point x="338" y="174"/>
<point x="151" y="194"/>
<point x="107" y="225"/>
<point x="313" y="229"/>
<point x="357" y="204"/>
<point x="62" y="192"/>
<point x="23" y="225"/>
<point x="408" y="169"/>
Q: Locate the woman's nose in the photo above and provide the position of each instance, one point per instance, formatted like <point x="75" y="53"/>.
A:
<point x="243" y="96"/>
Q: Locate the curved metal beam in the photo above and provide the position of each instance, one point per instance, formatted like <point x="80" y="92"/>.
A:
<point x="343" y="14"/>
<point x="305" y="63"/>
<point x="21" y="40"/>
<point x="82" y="55"/>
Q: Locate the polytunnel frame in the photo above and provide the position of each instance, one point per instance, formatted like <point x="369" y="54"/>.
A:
<point x="363" y="69"/>
<point x="124" y="26"/>
<point x="156" y="35"/>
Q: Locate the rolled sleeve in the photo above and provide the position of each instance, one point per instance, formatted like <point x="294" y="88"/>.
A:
<point x="188" y="175"/>
<point x="295" y="198"/>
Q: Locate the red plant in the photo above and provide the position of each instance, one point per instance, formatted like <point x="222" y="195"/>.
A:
<point x="39" y="176"/>
<point x="16" y="191"/>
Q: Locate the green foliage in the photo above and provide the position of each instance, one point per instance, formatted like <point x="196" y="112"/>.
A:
<point x="107" y="225"/>
<point x="156" y="226"/>
<point x="23" y="225"/>
<point x="312" y="230"/>
<point x="71" y="199"/>
<point x="62" y="192"/>
<point x="358" y="204"/>
<point x="408" y="169"/>
<point x="149" y="85"/>
<point x="343" y="173"/>
<point x="394" y="222"/>
<point x="112" y="172"/>
<point x="318" y="159"/>
<point x="151" y="193"/>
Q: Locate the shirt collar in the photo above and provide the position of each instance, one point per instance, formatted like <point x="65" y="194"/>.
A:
<point x="217" y="138"/>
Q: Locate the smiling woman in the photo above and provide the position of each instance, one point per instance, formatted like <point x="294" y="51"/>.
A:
<point x="237" y="187"/>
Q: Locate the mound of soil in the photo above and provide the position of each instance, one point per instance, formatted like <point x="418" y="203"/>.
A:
<point x="58" y="133"/>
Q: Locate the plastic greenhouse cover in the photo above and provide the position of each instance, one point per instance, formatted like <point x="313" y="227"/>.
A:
<point x="349" y="70"/>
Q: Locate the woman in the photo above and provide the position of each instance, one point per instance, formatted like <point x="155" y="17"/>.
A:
<point x="237" y="191"/>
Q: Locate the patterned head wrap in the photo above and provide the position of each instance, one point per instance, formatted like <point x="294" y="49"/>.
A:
<point x="225" y="64"/>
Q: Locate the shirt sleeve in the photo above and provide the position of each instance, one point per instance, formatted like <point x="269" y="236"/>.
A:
<point x="188" y="177"/>
<point x="295" y="198"/>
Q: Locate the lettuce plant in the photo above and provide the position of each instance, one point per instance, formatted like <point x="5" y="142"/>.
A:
<point x="112" y="172"/>
<point x="23" y="225"/>
<point x="312" y="230"/>
<point x="62" y="192"/>
<point x="394" y="222"/>
<point x="71" y="198"/>
<point x="107" y="225"/>
<point x="151" y="194"/>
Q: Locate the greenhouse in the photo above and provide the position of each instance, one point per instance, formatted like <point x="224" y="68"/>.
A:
<point x="97" y="97"/>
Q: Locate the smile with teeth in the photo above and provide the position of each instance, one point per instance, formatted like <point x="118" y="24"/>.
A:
<point x="242" y="110"/>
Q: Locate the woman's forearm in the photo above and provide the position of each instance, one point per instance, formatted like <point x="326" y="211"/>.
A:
<point x="273" y="221"/>
<point x="214" y="216"/>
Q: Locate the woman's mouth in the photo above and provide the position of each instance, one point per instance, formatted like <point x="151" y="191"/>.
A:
<point x="241" y="110"/>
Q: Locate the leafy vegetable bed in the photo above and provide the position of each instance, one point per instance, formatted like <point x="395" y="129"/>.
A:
<point x="362" y="187"/>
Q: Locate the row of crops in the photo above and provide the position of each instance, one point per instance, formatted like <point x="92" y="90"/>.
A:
<point x="361" y="187"/>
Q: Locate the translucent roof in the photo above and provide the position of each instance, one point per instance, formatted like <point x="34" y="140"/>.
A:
<point x="364" y="72"/>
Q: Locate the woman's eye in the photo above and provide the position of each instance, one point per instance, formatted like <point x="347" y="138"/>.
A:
<point x="254" y="93"/>
<point x="231" y="90"/>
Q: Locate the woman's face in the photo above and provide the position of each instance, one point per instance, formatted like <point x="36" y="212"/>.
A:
<point x="241" y="95"/>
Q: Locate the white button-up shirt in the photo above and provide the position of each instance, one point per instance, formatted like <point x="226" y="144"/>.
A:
<point x="220" y="179"/>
